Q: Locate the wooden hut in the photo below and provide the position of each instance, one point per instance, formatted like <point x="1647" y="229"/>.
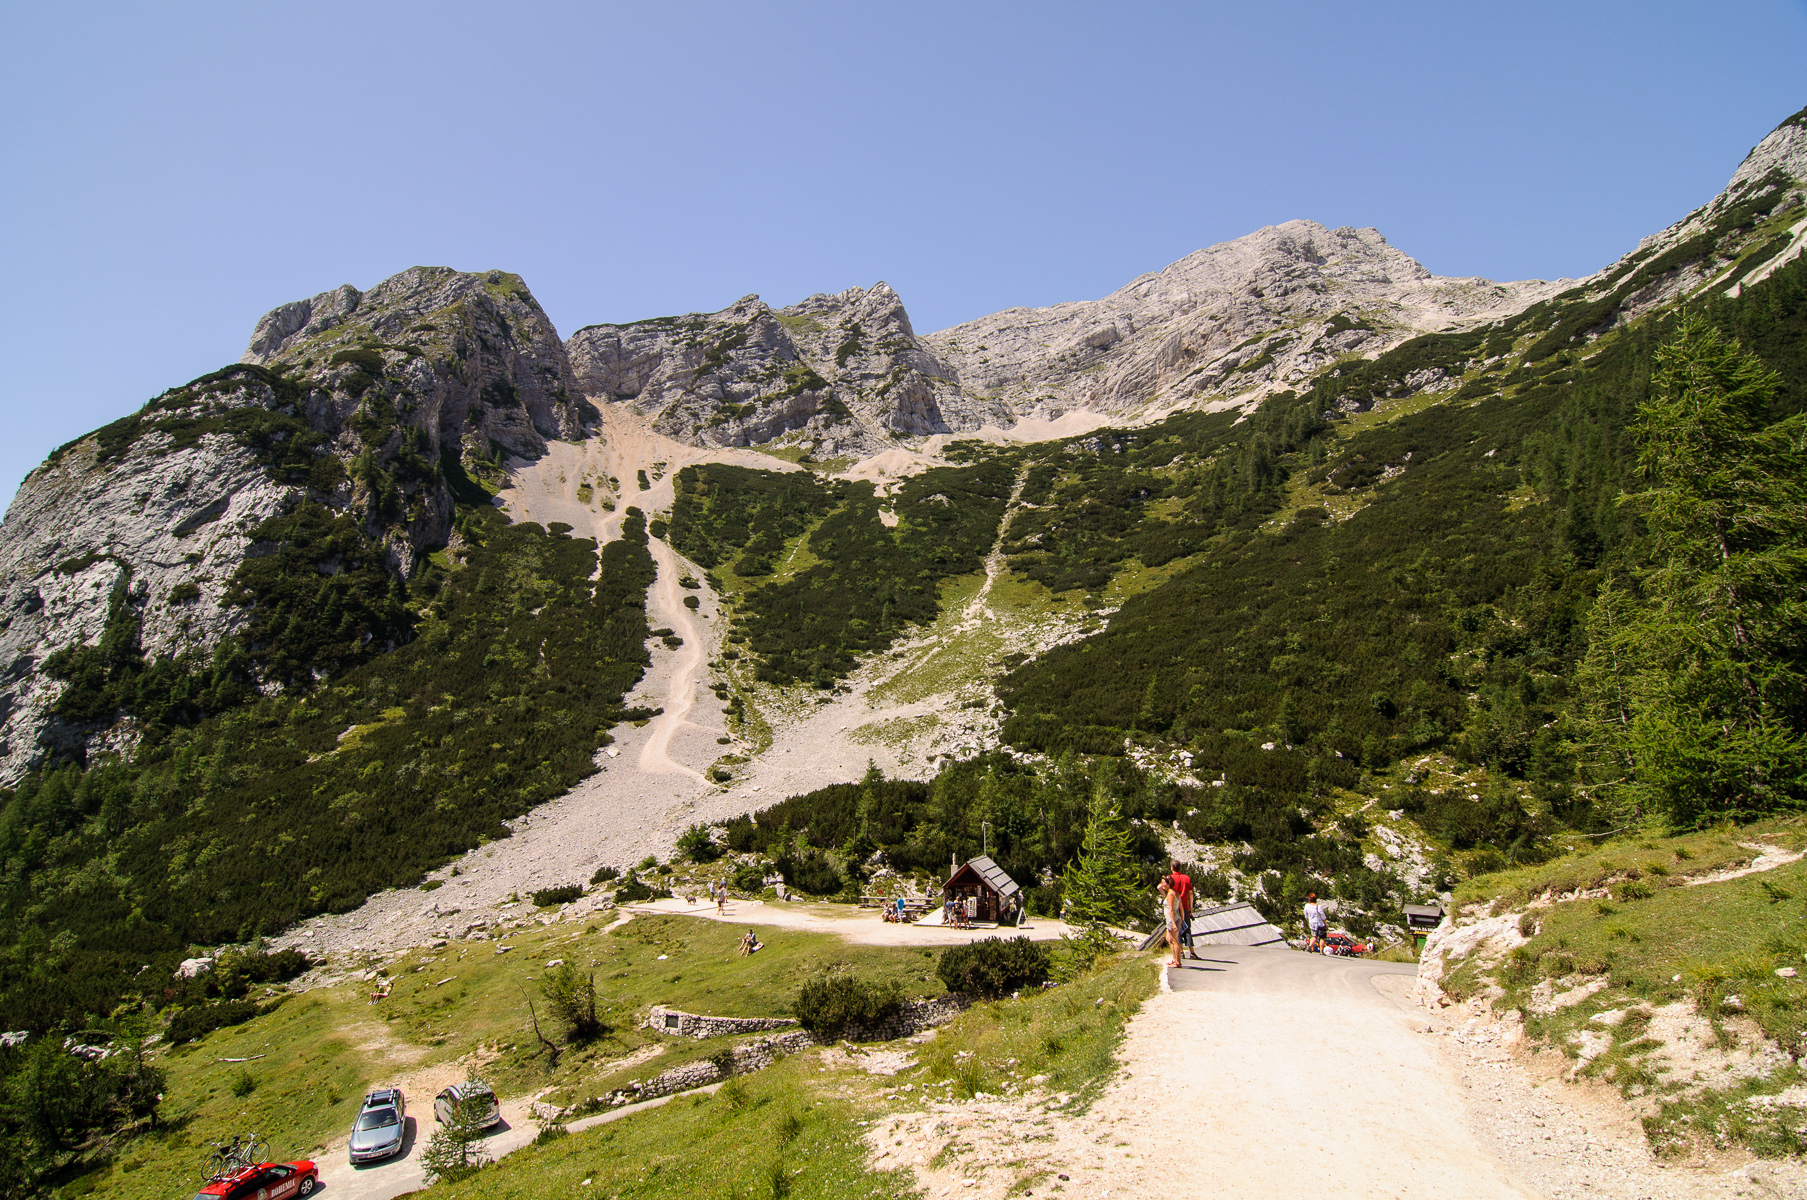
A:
<point x="999" y="898"/>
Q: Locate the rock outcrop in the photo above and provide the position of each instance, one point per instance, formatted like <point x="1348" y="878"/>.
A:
<point x="1224" y="325"/>
<point x="169" y="524"/>
<point x="848" y="373"/>
<point x="371" y="404"/>
<point x="843" y="372"/>
<point x="490" y="365"/>
<point x="1739" y="237"/>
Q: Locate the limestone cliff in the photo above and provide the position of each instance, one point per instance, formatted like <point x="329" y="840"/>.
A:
<point x="1755" y="225"/>
<point x="843" y="372"/>
<point x="371" y="406"/>
<point x="847" y="372"/>
<point x="1226" y="324"/>
<point x="490" y="367"/>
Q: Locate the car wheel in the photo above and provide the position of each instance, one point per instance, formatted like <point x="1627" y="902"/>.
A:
<point x="307" y="1185"/>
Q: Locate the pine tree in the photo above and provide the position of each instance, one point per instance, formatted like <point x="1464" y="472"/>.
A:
<point x="1100" y="887"/>
<point x="1721" y="696"/>
<point x="452" y="1153"/>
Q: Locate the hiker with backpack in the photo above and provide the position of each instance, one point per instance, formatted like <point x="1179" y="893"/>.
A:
<point x="1316" y="923"/>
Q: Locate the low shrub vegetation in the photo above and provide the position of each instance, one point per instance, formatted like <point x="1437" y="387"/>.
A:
<point x="994" y="967"/>
<point x="832" y="1001"/>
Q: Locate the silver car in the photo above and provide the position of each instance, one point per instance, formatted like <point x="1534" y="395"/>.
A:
<point x="381" y="1123"/>
<point x="474" y="1097"/>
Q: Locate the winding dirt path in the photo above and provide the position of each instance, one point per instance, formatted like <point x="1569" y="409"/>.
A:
<point x="665" y="600"/>
<point x="650" y="784"/>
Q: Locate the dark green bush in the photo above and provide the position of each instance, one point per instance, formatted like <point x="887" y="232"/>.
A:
<point x="279" y="967"/>
<point x="833" y="1000"/>
<point x="634" y="890"/>
<point x="564" y="894"/>
<point x="696" y="845"/>
<point x="811" y="872"/>
<point x="367" y="360"/>
<point x="603" y="875"/>
<point x="994" y="967"/>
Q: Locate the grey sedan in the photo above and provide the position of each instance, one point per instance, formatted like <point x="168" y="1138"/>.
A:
<point x="381" y="1124"/>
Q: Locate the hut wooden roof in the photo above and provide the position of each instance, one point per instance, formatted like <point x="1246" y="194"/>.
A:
<point x="988" y="873"/>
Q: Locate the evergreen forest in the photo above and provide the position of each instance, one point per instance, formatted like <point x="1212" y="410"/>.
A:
<point x="1585" y="579"/>
<point x="307" y="802"/>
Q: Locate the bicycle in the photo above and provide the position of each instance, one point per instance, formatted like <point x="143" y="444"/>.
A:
<point x="227" y="1158"/>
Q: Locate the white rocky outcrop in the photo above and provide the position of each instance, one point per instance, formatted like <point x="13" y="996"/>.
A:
<point x="1227" y="324"/>
<point x="170" y="525"/>
<point x="847" y="371"/>
<point x="497" y="366"/>
<point x="844" y="372"/>
<point x="1773" y="174"/>
<point x="1484" y="941"/>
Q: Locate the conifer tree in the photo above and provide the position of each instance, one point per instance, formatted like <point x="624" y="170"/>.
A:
<point x="1720" y="695"/>
<point x="452" y="1153"/>
<point x="1100" y="887"/>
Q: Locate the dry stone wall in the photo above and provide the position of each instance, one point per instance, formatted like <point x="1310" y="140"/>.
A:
<point x="913" y="1018"/>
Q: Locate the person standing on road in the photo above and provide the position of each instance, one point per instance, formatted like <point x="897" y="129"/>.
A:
<point x="1182" y="888"/>
<point x="1315" y="921"/>
<point x="1170" y="909"/>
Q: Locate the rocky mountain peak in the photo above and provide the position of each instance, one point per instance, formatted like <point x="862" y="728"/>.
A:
<point x="1224" y="325"/>
<point x="354" y="412"/>
<point x="1739" y="237"/>
<point x="495" y="359"/>
<point x="847" y="372"/>
<point x="839" y="371"/>
<point x="1784" y="150"/>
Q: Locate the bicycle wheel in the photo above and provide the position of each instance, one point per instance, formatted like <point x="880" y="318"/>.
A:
<point x="256" y="1150"/>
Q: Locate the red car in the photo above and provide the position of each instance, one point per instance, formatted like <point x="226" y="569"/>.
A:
<point x="1344" y="946"/>
<point x="265" y="1181"/>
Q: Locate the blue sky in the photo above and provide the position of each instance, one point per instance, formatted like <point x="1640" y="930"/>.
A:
<point x="171" y="172"/>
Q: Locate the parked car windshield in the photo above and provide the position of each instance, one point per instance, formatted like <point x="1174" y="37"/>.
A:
<point x="380" y="1118"/>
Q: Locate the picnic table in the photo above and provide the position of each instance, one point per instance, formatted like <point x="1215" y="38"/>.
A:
<point x="913" y="906"/>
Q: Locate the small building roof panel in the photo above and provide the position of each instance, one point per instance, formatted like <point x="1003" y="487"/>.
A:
<point x="1234" y="925"/>
<point x="988" y="873"/>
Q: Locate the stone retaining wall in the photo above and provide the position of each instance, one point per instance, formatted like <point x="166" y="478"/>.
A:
<point x="673" y="1023"/>
<point x="914" y="1017"/>
<point x="759" y="1053"/>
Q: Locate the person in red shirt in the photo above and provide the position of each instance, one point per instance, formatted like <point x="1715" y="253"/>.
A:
<point x="1182" y="890"/>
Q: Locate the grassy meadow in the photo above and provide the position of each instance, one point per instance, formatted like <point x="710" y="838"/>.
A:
<point x="462" y="1010"/>
<point x="1659" y="956"/>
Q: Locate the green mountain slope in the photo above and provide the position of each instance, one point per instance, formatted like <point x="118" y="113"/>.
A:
<point x="1558" y="560"/>
<point x="307" y="803"/>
